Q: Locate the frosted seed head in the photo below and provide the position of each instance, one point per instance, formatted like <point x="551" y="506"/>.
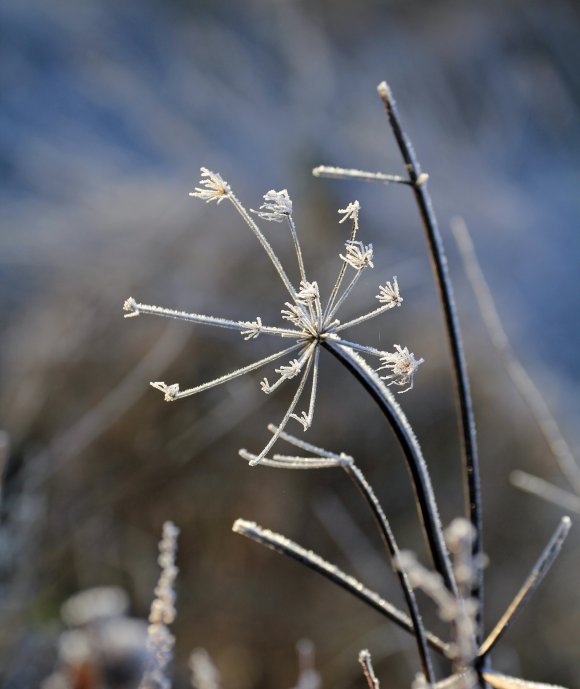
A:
<point x="212" y="187"/>
<point x="402" y="365"/>
<point x="303" y="419"/>
<point x="308" y="292"/>
<point x="389" y="294"/>
<point x="170" y="392"/>
<point x="253" y="328"/>
<point x="358" y="255"/>
<point x="131" y="307"/>
<point x="277" y="206"/>
<point x="350" y="213"/>
<point x="291" y="370"/>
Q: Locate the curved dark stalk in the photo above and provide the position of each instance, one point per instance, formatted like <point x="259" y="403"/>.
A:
<point x="439" y="264"/>
<point x="358" y="478"/>
<point x="420" y="479"/>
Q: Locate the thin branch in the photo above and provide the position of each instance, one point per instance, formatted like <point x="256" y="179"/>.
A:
<point x="524" y="384"/>
<point x="172" y="392"/>
<point x="420" y="479"/>
<point x="365" y="660"/>
<point x="350" y="173"/>
<point x="134" y="308"/>
<point x="545" y="490"/>
<point x="535" y="578"/>
<point x="439" y="264"/>
<point x="358" y="478"/>
<point x="285" y="546"/>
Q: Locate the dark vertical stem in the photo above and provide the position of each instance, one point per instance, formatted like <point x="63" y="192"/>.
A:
<point x="420" y="479"/>
<point x="439" y="264"/>
<point x="358" y="478"/>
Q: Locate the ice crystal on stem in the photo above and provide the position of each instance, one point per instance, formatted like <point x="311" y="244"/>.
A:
<point x="389" y="294"/>
<point x="277" y="208"/>
<point x="160" y="641"/>
<point x="358" y="256"/>
<point x="402" y="366"/>
<point x="212" y="187"/>
<point x="311" y="322"/>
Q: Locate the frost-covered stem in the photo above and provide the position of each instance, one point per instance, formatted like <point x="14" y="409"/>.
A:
<point x="358" y="478"/>
<point x="341" y="274"/>
<point x="420" y="479"/>
<point x="285" y="546"/>
<point x="348" y="289"/>
<point x="534" y="579"/>
<point x="439" y="264"/>
<point x="333" y="172"/>
<point x="365" y="317"/>
<point x="297" y="247"/>
<point x="364" y="658"/>
<point x="264" y="242"/>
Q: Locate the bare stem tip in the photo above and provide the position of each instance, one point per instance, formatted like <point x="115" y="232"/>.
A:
<point x="385" y="91"/>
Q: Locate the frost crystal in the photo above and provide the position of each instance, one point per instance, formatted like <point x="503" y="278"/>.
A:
<point x="277" y="208"/>
<point x="402" y="366"/>
<point x="389" y="293"/>
<point x="212" y="188"/>
<point x="358" y="255"/>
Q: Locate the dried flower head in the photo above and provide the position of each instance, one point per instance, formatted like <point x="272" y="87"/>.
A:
<point x="311" y="322"/>
<point x="277" y="206"/>
<point x="212" y="187"/>
<point x="389" y="293"/>
<point x="402" y="366"/>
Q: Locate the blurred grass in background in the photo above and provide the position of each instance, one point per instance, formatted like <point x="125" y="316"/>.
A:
<point x="108" y="111"/>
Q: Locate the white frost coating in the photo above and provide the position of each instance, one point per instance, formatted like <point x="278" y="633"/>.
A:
<point x="311" y="321"/>
<point x="212" y="187"/>
<point x="160" y="641"/>
<point x="277" y="206"/>
<point x="358" y="255"/>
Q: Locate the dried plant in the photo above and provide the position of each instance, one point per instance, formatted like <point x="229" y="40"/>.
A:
<point x="455" y="584"/>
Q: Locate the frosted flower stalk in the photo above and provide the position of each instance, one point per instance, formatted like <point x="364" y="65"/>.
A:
<point x="309" y="322"/>
<point x="160" y="640"/>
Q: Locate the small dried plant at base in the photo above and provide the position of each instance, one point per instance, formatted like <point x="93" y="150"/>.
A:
<point x="160" y="640"/>
<point x="313" y="323"/>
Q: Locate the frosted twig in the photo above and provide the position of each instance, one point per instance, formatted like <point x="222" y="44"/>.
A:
<point x="289" y="411"/>
<point x="285" y="546"/>
<point x="172" y="392"/>
<point x="160" y="641"/>
<point x="534" y="579"/>
<point x="524" y="384"/>
<point x="364" y="317"/>
<point x="350" y="173"/>
<point x="306" y="418"/>
<point x="426" y="503"/>
<point x="351" y="211"/>
<point x="291" y="462"/>
<point x="247" y="328"/>
<point x="365" y="660"/>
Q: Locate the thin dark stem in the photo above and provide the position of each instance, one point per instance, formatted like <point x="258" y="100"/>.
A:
<point x="420" y="478"/>
<point x="439" y="264"/>
<point x="285" y="546"/>
<point x="358" y="478"/>
<point x="535" y="578"/>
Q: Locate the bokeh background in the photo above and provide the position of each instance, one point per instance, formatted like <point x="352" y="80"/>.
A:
<point x="108" y="110"/>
